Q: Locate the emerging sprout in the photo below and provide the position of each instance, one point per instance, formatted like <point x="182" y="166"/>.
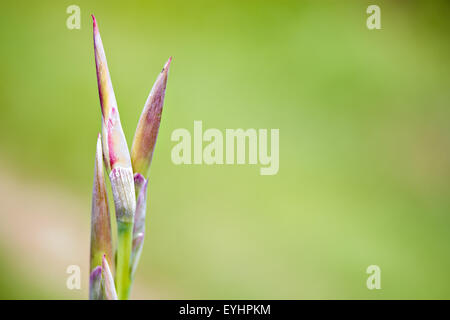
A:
<point x="128" y="176"/>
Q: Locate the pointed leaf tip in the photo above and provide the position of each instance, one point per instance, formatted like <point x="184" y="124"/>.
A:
<point x="115" y="148"/>
<point x="167" y="65"/>
<point x="148" y="126"/>
<point x="109" y="290"/>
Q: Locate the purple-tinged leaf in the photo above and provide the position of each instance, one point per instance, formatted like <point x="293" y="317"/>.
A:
<point x="148" y="126"/>
<point x="141" y="203"/>
<point x="95" y="284"/>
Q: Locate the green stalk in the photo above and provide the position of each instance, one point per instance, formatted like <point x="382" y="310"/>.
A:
<point x="125" y="240"/>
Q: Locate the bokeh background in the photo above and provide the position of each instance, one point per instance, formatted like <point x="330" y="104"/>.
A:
<point x="364" y="146"/>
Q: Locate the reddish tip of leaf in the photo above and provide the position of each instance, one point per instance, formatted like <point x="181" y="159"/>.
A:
<point x="166" y="66"/>
<point x="94" y="21"/>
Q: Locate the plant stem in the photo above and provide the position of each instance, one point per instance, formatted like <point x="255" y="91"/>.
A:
<point x="125" y="240"/>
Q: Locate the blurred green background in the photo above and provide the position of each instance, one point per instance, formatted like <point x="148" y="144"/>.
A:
<point x="364" y="146"/>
